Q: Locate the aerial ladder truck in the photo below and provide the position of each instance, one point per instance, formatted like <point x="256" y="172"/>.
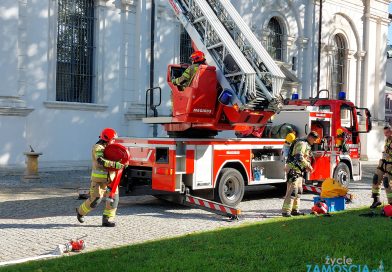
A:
<point x="238" y="90"/>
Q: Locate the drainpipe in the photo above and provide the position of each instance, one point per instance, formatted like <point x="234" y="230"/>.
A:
<point x="319" y="45"/>
<point x="152" y="63"/>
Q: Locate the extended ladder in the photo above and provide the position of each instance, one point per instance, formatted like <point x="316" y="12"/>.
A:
<point x="243" y="65"/>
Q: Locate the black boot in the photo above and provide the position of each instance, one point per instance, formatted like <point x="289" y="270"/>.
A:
<point x="296" y="213"/>
<point x="376" y="202"/>
<point x="79" y="216"/>
<point x="286" y="214"/>
<point x="106" y="222"/>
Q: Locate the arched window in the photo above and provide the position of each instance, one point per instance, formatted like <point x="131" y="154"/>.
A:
<point x="274" y="39"/>
<point x="338" y="67"/>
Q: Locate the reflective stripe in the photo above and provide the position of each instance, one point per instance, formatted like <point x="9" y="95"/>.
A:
<point x="99" y="174"/>
<point x="99" y="153"/>
<point x="376" y="191"/>
<point x="109" y="213"/>
<point x="389" y="195"/>
<point x="84" y="208"/>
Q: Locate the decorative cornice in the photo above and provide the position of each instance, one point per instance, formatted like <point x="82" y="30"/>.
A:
<point x="74" y="106"/>
<point x="360" y="55"/>
<point x="372" y="17"/>
<point x="135" y="112"/>
<point x="126" y="5"/>
<point x="288" y="40"/>
<point x="100" y="2"/>
<point x="129" y="116"/>
<point x="12" y="111"/>
<point x="302" y="42"/>
<point x="350" y="53"/>
<point x="329" y="48"/>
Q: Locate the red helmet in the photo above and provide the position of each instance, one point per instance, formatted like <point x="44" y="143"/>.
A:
<point x="198" y="56"/>
<point x="108" y="134"/>
<point x="320" y="208"/>
<point x="387" y="211"/>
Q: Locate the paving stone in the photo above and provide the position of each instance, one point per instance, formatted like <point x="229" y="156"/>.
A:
<point x="38" y="215"/>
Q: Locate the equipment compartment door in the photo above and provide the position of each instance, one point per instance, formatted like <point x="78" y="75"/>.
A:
<point x="163" y="172"/>
<point x="203" y="167"/>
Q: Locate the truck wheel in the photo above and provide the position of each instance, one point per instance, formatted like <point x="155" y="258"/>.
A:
<point x="342" y="174"/>
<point x="230" y="187"/>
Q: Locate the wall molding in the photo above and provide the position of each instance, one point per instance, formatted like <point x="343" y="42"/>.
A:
<point x="75" y="106"/>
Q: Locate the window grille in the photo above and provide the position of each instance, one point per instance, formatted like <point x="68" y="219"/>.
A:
<point x="185" y="46"/>
<point x="75" y="29"/>
<point x="274" y="39"/>
<point x="338" y="65"/>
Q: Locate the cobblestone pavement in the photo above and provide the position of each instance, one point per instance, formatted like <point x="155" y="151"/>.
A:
<point x="36" y="216"/>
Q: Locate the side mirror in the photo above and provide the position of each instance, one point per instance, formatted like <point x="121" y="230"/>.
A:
<point x="364" y="120"/>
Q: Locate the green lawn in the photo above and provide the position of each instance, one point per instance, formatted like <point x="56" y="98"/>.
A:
<point x="273" y="245"/>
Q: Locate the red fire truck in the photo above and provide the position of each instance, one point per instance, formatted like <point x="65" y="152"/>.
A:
<point x="238" y="92"/>
<point x="226" y="166"/>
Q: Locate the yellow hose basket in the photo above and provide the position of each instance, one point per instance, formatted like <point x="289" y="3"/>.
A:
<point x="332" y="188"/>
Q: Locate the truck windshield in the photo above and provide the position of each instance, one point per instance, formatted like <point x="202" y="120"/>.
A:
<point x="325" y="108"/>
<point x="346" y="117"/>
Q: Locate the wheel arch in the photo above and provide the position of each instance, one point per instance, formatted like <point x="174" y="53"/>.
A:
<point x="346" y="161"/>
<point x="235" y="164"/>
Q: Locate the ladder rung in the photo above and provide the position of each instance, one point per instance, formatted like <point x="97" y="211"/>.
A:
<point x="215" y="46"/>
<point x="202" y="18"/>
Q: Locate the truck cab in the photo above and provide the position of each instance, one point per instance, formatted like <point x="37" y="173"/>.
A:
<point x="338" y="154"/>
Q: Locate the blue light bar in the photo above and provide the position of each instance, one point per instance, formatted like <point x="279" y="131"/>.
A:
<point x="342" y="96"/>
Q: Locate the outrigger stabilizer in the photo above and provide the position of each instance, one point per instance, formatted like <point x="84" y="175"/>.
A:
<point x="211" y="206"/>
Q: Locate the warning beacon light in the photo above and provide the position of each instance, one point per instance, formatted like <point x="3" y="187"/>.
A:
<point x="294" y="96"/>
<point x="342" y="96"/>
<point x="225" y="97"/>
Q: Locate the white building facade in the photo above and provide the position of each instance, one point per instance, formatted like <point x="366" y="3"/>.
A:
<point x="70" y="68"/>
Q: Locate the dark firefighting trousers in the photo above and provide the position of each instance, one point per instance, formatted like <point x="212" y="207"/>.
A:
<point x="383" y="176"/>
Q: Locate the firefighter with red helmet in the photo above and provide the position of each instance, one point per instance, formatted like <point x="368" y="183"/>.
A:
<point x="100" y="178"/>
<point x="384" y="171"/>
<point x="185" y="79"/>
<point x="298" y="163"/>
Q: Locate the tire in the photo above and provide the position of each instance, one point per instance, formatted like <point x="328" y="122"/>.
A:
<point x="342" y="174"/>
<point x="231" y="187"/>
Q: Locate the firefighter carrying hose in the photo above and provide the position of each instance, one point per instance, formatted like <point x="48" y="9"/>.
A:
<point x="383" y="171"/>
<point x="100" y="178"/>
<point x="185" y="80"/>
<point x="298" y="163"/>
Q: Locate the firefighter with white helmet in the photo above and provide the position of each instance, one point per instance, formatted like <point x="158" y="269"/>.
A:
<point x="185" y="79"/>
<point x="384" y="171"/>
<point x="100" y="178"/>
<point x="298" y="163"/>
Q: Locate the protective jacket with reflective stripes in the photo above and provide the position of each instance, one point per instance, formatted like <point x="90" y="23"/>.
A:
<point x="99" y="172"/>
<point x="186" y="78"/>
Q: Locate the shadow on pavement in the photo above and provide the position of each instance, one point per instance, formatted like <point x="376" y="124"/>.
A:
<point x="42" y="226"/>
<point x="39" y="208"/>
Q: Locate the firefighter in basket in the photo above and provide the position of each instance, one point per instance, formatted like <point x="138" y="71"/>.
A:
<point x="185" y="79"/>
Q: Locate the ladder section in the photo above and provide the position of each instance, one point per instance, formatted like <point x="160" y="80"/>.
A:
<point x="240" y="68"/>
<point x="269" y="75"/>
